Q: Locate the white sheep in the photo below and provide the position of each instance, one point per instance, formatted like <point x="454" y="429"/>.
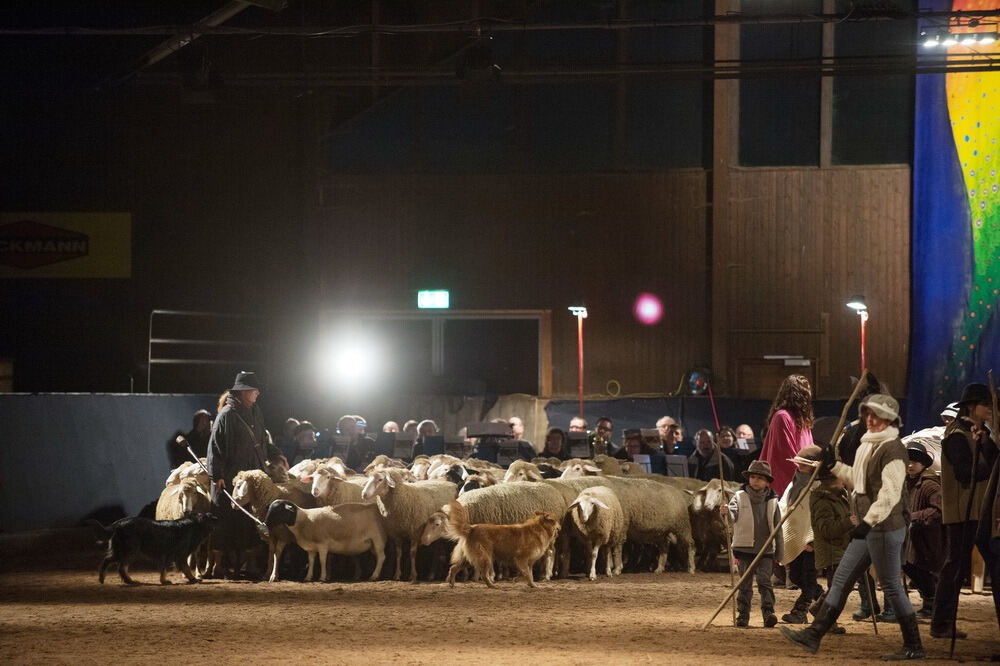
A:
<point x="522" y="470"/>
<point x="179" y="499"/>
<point x="575" y="468"/>
<point x="407" y="508"/>
<point x="419" y="467"/>
<point x="655" y="513"/>
<point x="598" y="518"/>
<point x="188" y="470"/>
<point x="308" y="466"/>
<point x="330" y="489"/>
<point x="256" y="489"/>
<point x="382" y="461"/>
<point x="347" y="529"/>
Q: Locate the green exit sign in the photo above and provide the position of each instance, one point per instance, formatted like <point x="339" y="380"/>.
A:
<point x="433" y="299"/>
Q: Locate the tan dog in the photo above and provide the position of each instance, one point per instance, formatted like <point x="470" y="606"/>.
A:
<point x="521" y="545"/>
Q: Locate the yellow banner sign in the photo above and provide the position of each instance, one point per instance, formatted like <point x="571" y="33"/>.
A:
<point x="65" y="245"/>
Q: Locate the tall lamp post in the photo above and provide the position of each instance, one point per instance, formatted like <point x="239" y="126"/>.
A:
<point x="580" y="313"/>
<point x="857" y="303"/>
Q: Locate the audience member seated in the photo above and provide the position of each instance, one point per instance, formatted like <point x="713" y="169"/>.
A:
<point x="739" y="457"/>
<point x="634" y="444"/>
<point x="600" y="440"/>
<point x="704" y="462"/>
<point x="555" y="445"/>
<point x="517" y="426"/>
<point x="578" y="424"/>
<point x="390" y="426"/>
<point x="675" y="435"/>
<point x="304" y="443"/>
<point x="425" y="428"/>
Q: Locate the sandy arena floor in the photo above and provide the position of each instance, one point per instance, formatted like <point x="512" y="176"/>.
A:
<point x="61" y="614"/>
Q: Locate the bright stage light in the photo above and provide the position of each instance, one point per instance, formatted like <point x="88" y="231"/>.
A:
<point x="969" y="39"/>
<point x="648" y="309"/>
<point x="949" y="41"/>
<point x="350" y="360"/>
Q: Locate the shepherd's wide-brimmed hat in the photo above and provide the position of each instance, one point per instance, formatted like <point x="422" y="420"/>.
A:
<point x="760" y="468"/>
<point x="245" y="381"/>
<point x="975" y="393"/>
<point x="807" y="455"/>
<point x="883" y="406"/>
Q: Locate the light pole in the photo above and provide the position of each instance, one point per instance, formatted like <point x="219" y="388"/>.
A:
<point x="857" y="303"/>
<point x="580" y="313"/>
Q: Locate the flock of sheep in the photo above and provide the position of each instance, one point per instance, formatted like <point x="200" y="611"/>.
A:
<point x="604" y="506"/>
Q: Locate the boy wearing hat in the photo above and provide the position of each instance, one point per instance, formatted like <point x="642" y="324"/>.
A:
<point x="923" y="550"/>
<point x="830" y="518"/>
<point x="754" y="512"/>
<point x="967" y="456"/>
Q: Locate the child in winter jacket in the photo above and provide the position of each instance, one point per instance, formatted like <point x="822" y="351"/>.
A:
<point x="923" y="556"/>
<point x="754" y="512"/>
<point x="830" y="514"/>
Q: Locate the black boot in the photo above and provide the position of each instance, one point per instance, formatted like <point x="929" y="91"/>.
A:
<point x="810" y="637"/>
<point x="798" y="613"/>
<point x="912" y="648"/>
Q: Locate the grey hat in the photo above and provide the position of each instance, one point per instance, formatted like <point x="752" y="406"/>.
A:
<point x="760" y="468"/>
<point x="883" y="406"/>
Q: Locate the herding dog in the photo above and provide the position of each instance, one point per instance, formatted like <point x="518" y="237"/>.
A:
<point x="521" y="545"/>
<point x="164" y="541"/>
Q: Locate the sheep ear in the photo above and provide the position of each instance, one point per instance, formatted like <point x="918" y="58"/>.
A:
<point x="381" y="507"/>
<point x="689" y="492"/>
<point x="575" y="502"/>
<point x="599" y="503"/>
<point x="592" y="468"/>
<point x="391" y="482"/>
<point x="306" y="479"/>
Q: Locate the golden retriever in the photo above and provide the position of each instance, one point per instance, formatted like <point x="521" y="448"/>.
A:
<point x="481" y="545"/>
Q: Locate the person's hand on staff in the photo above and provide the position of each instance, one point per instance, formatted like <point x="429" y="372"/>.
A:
<point x="220" y="484"/>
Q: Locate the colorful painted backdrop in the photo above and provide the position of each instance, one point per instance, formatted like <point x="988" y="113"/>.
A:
<point x="956" y="229"/>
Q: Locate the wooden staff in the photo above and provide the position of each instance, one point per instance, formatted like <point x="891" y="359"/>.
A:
<point x="843" y="415"/>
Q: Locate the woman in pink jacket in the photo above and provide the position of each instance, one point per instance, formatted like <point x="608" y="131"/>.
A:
<point x="789" y="428"/>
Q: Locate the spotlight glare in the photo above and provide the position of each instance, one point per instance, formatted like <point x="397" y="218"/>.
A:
<point x="949" y="41"/>
<point x="987" y="38"/>
<point x="648" y="309"/>
<point x="969" y="39"/>
<point x="350" y="361"/>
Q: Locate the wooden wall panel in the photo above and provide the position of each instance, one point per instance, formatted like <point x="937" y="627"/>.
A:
<point x="799" y="242"/>
<point x="535" y="241"/>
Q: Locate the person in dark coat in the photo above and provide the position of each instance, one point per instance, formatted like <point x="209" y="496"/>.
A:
<point x="238" y="442"/>
<point x="959" y="467"/>
<point x="988" y="535"/>
<point x="196" y="438"/>
<point x="634" y="444"/>
<point x="923" y="558"/>
<point x="703" y="464"/>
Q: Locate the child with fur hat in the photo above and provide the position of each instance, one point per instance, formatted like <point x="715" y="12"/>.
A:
<point x="754" y="512"/>
<point x="923" y="549"/>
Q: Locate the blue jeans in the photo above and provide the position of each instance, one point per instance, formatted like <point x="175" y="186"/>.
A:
<point x="884" y="550"/>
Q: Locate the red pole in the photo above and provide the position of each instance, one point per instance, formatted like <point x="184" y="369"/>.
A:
<point x="711" y="399"/>
<point x="864" y="319"/>
<point x="579" y="357"/>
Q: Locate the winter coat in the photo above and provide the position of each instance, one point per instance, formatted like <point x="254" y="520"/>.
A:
<point x="238" y="442"/>
<point x="830" y="515"/>
<point x="957" y="456"/>
<point x="923" y="548"/>
<point x="745" y="526"/>
<point x="783" y="440"/>
<point x="706" y="468"/>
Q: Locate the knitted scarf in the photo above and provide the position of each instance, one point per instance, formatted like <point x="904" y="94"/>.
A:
<point x="870" y="441"/>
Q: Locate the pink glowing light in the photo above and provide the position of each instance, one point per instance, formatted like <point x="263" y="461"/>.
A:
<point x="648" y="309"/>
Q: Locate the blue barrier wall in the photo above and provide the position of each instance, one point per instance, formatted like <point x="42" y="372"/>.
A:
<point x="67" y="455"/>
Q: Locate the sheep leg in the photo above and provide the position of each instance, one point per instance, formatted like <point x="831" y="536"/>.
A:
<point x="322" y="564"/>
<point x="309" y="571"/>
<point x="398" y="547"/>
<point x="594" y="550"/>
<point x="414" y="544"/>
<point x="279" y="549"/>
<point x="618" y="559"/>
<point x="379" y="551"/>
<point x="563" y="548"/>
<point x="661" y="561"/>
<point x="608" y="560"/>
<point x="690" y="550"/>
